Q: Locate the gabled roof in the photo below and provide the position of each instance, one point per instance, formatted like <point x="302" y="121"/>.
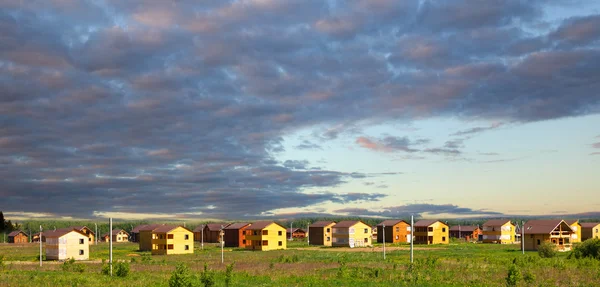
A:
<point x="216" y="226"/>
<point x="289" y="230"/>
<point x="572" y="222"/>
<point x="545" y="226"/>
<point x="147" y="227"/>
<point x="16" y="232"/>
<point x="167" y="228"/>
<point x="496" y="222"/>
<point x="464" y="228"/>
<point x="80" y="228"/>
<point x="391" y="222"/>
<point x="61" y="232"/>
<point x="590" y="224"/>
<point x="321" y="223"/>
<point x="426" y="223"/>
<point x="235" y="226"/>
<point x="199" y="228"/>
<point x="262" y="225"/>
<point x="115" y="232"/>
<point x="348" y="223"/>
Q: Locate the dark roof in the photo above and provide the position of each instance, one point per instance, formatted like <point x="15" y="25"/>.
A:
<point x="82" y="227"/>
<point x="426" y="223"/>
<point x="115" y="232"/>
<point x="199" y="228"/>
<point x="589" y="224"/>
<point x="216" y="226"/>
<point x="571" y="222"/>
<point x="261" y="225"/>
<point x="16" y="232"/>
<point x="347" y="223"/>
<point x="391" y="222"/>
<point x="321" y="223"/>
<point x="496" y="222"/>
<point x="465" y="228"/>
<point x="542" y="226"/>
<point x="289" y="230"/>
<point x="167" y="228"/>
<point x="236" y="226"/>
<point x="61" y="231"/>
<point x="147" y="227"/>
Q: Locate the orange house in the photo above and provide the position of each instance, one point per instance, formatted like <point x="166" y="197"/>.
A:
<point x="18" y="236"/>
<point x="396" y="231"/>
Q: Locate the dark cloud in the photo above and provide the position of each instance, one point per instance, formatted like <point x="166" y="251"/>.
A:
<point x="130" y="106"/>
<point x="418" y="210"/>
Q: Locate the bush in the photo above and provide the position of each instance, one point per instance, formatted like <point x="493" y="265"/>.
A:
<point x="529" y="277"/>
<point x="587" y="249"/>
<point x="71" y="266"/>
<point x="207" y="277"/>
<point x="513" y="276"/>
<point x="105" y="269"/>
<point x="228" y="274"/>
<point x="121" y="269"/>
<point x="547" y="250"/>
<point x="181" y="277"/>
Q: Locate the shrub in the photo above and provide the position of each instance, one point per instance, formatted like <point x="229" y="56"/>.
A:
<point x="207" y="277"/>
<point x="105" y="269"/>
<point x="513" y="276"/>
<point x="71" y="266"/>
<point x="547" y="250"/>
<point x="181" y="277"/>
<point x="121" y="269"/>
<point x="529" y="277"/>
<point x="587" y="249"/>
<point x="228" y="274"/>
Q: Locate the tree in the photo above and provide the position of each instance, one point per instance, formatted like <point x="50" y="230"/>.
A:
<point x="2" y="222"/>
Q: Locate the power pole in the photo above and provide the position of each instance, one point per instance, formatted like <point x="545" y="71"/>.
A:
<point x="202" y="239"/>
<point x="523" y="237"/>
<point x="96" y="237"/>
<point x="383" y="241"/>
<point x="110" y="240"/>
<point x="291" y="230"/>
<point x="222" y="244"/>
<point x="412" y="237"/>
<point x="308" y="231"/>
<point x="40" y="246"/>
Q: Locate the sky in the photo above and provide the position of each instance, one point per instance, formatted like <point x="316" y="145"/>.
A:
<point x="278" y="109"/>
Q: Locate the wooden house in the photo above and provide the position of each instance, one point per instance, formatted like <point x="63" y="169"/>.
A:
<point x="134" y="235"/>
<point x="320" y="233"/>
<point x="36" y="237"/>
<point x="352" y="234"/>
<point x="499" y="231"/>
<point x="468" y="233"/>
<point x="373" y="233"/>
<point x="265" y="235"/>
<point x="170" y="239"/>
<point x="235" y="234"/>
<point x="576" y="227"/>
<point x="295" y="233"/>
<point x="212" y="232"/>
<point x="431" y="232"/>
<point x="118" y="235"/>
<point x="144" y="236"/>
<point x="555" y="231"/>
<point x="590" y="230"/>
<point x="396" y="231"/>
<point x="198" y="232"/>
<point x="88" y="232"/>
<point x="66" y="243"/>
<point x="18" y="236"/>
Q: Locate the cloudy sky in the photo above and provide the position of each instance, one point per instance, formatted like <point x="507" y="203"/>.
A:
<point x="254" y="108"/>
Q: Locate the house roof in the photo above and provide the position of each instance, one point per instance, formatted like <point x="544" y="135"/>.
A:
<point x="16" y="232"/>
<point x="216" y="226"/>
<point x="590" y="224"/>
<point x="426" y="223"/>
<point x="465" y="228"/>
<point x="61" y="232"/>
<point x="289" y="230"/>
<point x="199" y="228"/>
<point x="115" y="232"/>
<point x="80" y="228"/>
<point x="391" y="222"/>
<point x="321" y="223"/>
<point x="262" y="225"/>
<point x="542" y="226"/>
<point x="572" y="222"/>
<point x="167" y="228"/>
<point x="146" y="227"/>
<point x="496" y="222"/>
<point x="347" y="223"/>
<point x="236" y="226"/>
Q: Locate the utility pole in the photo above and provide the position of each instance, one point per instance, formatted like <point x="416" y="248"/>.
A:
<point x="523" y="237"/>
<point x="110" y="240"/>
<point x="308" y="231"/>
<point x="459" y="232"/>
<point x="291" y="230"/>
<point x="383" y="241"/>
<point x="222" y="244"/>
<point x="202" y="239"/>
<point x="412" y="237"/>
<point x="40" y="246"/>
<point x="96" y="237"/>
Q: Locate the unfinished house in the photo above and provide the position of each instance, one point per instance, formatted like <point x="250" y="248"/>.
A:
<point x="468" y="233"/>
<point x="555" y="231"/>
<point x="499" y="231"/>
<point x="351" y="233"/>
<point x="431" y="232"/>
<point x="235" y="234"/>
<point x="295" y="233"/>
<point x="319" y="233"/>
<point x="66" y="243"/>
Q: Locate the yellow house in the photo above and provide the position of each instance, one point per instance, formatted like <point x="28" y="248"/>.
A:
<point x="87" y="231"/>
<point x="66" y="243"/>
<point x="431" y="232"/>
<point x="352" y="234"/>
<point x="590" y="230"/>
<point x="169" y="239"/>
<point x="555" y="231"/>
<point x="118" y="235"/>
<point x="265" y="235"/>
<point x="319" y="233"/>
<point x="144" y="236"/>
<point x="499" y="231"/>
<point x="576" y="227"/>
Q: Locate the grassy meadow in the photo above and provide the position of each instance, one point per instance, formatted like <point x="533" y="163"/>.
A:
<point x="457" y="264"/>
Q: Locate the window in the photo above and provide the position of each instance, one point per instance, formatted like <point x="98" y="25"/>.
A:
<point x="187" y="247"/>
<point x="81" y="241"/>
<point x="244" y="241"/>
<point x="538" y="242"/>
<point x="90" y="239"/>
<point x="280" y="243"/>
<point x="169" y="236"/>
<point x="397" y="237"/>
<point x="265" y="242"/>
<point x="280" y="233"/>
<point x="444" y="229"/>
<point x="80" y="251"/>
<point x="430" y="229"/>
<point x="186" y="237"/>
<point x="265" y="232"/>
<point x="328" y="238"/>
<point x="119" y="238"/>
<point x="170" y="247"/>
<point x="329" y="230"/>
<point x="443" y="239"/>
<point x="366" y="240"/>
<point x="255" y="232"/>
<point x="397" y="229"/>
<point x="366" y="230"/>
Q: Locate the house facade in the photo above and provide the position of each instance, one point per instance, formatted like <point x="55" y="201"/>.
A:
<point x="198" y="232"/>
<point x="396" y="231"/>
<point x="118" y="235"/>
<point x="144" y="236"/>
<point x="87" y="231"/>
<point x="351" y="234"/>
<point x="468" y="233"/>
<point x="499" y="231"/>
<point x="66" y="243"/>
<point x="235" y="234"/>
<point x="320" y="233"/>
<point x="18" y="236"/>
<point x="295" y="233"/>
<point x="431" y="232"/>
<point x="265" y="235"/>
<point x="169" y="239"/>
<point x="555" y="231"/>
<point x="576" y="227"/>
<point x="590" y="230"/>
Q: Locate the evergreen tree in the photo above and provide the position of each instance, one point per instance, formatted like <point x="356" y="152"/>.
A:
<point x="2" y="222"/>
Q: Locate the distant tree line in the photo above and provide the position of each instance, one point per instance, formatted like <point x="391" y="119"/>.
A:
<point x="7" y="226"/>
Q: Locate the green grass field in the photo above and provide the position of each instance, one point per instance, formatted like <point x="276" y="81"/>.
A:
<point x="457" y="264"/>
